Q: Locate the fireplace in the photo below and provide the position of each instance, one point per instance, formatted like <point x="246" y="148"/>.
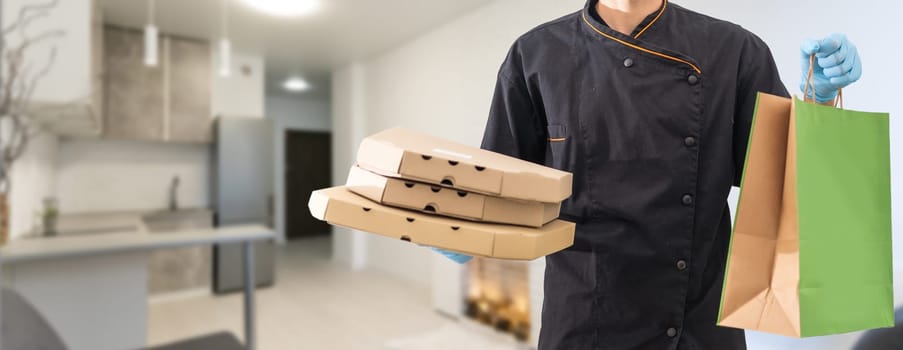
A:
<point x="505" y="295"/>
<point x="497" y="294"/>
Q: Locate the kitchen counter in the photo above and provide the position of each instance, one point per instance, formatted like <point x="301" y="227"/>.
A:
<point x="120" y="242"/>
<point x="120" y="221"/>
<point x="172" y="271"/>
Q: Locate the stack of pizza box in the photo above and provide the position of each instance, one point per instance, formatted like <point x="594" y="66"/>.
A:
<point x="434" y="192"/>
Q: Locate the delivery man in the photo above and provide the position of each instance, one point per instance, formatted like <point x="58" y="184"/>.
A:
<point x="649" y="105"/>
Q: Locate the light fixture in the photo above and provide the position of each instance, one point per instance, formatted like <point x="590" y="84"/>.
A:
<point x="225" y="47"/>
<point x="284" y="8"/>
<point x="225" y="57"/>
<point x="296" y="84"/>
<point x="151" y="37"/>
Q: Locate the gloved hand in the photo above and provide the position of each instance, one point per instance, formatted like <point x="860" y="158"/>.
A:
<point x="837" y="65"/>
<point x="458" y="258"/>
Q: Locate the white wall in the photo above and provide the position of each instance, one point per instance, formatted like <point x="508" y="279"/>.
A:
<point x="300" y="113"/>
<point x="349" y="121"/>
<point x="441" y="83"/>
<point x="33" y="179"/>
<point x="241" y="93"/>
<point x="287" y="113"/>
<point x="107" y="175"/>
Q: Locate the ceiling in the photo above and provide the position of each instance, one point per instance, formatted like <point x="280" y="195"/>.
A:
<point x="339" y="32"/>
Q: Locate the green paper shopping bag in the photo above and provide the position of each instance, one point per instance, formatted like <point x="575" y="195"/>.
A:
<point x="811" y="247"/>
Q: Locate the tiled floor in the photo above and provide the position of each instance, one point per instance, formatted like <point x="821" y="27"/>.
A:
<point x="314" y="305"/>
<point x="318" y="305"/>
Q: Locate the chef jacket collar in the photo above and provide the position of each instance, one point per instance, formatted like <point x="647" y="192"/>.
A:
<point x="592" y="15"/>
<point x="596" y="27"/>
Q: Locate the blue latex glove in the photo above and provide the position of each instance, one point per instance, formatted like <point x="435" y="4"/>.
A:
<point x="837" y="65"/>
<point x="458" y="258"/>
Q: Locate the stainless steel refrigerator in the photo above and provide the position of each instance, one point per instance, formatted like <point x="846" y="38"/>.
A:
<point x="242" y="193"/>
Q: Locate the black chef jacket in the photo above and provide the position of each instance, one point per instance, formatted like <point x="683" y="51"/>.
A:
<point x="654" y="127"/>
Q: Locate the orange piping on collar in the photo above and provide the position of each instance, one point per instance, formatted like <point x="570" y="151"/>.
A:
<point x="622" y="42"/>
<point x="660" y="12"/>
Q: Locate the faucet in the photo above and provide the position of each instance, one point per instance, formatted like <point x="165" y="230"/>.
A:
<point x="174" y="193"/>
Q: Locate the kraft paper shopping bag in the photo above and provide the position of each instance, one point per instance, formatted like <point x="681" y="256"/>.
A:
<point x="810" y="251"/>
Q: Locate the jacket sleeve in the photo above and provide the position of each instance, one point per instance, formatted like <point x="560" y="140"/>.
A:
<point x="758" y="73"/>
<point x="515" y="126"/>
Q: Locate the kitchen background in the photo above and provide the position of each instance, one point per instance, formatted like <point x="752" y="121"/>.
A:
<point x="215" y="137"/>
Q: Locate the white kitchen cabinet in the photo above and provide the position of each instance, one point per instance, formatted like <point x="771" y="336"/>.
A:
<point x="67" y="99"/>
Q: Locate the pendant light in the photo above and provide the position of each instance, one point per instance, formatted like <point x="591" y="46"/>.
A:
<point x="150" y="37"/>
<point x="225" y="47"/>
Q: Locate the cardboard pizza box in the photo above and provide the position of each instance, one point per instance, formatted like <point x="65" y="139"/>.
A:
<point x="440" y="200"/>
<point x="415" y="156"/>
<point x="339" y="206"/>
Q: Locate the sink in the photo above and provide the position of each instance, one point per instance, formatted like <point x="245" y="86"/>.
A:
<point x="181" y="214"/>
<point x="97" y="223"/>
<point x="134" y="221"/>
<point x="173" y="220"/>
<point x="98" y="230"/>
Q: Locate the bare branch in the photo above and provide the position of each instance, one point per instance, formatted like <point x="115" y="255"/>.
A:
<point x="14" y="145"/>
<point x="13" y="60"/>
<point x="18" y="143"/>
<point x="27" y="21"/>
<point x="33" y="83"/>
<point x="5" y="181"/>
<point x="31" y="40"/>
<point x="50" y="34"/>
<point x="24" y="14"/>
<point x="21" y="75"/>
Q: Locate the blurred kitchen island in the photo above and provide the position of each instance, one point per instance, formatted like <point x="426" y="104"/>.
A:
<point x="105" y="275"/>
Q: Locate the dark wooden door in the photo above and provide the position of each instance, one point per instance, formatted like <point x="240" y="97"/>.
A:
<point x="308" y="167"/>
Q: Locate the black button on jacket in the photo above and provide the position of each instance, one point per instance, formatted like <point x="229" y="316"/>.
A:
<point x="645" y="194"/>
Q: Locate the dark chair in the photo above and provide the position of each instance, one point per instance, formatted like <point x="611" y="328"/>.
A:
<point x="25" y="329"/>
<point x="883" y="338"/>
